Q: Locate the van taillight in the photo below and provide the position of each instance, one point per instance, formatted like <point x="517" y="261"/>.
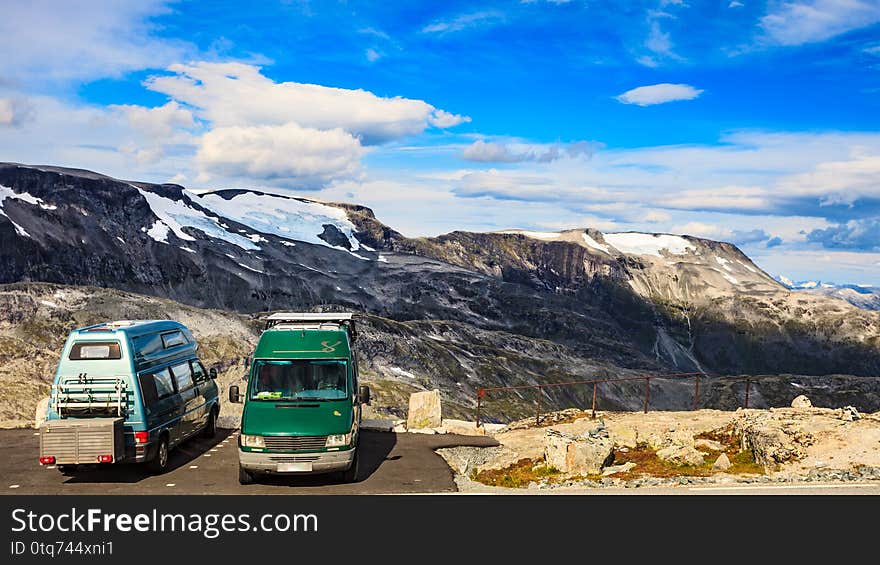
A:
<point x="105" y="459"/>
<point x="141" y="437"/>
<point x="47" y="460"/>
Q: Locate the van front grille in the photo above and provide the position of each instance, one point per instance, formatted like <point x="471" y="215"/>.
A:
<point x="293" y="458"/>
<point x="295" y="443"/>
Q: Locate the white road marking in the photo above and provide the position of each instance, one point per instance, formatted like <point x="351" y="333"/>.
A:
<point x="193" y="466"/>
<point x="207" y="454"/>
<point x="790" y="486"/>
<point x="14" y="486"/>
<point x="171" y="484"/>
<point x="213" y="450"/>
<point x="36" y="433"/>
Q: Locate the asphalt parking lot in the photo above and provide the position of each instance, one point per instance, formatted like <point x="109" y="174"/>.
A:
<point x="390" y="463"/>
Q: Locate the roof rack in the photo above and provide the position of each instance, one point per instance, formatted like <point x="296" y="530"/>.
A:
<point x="345" y="319"/>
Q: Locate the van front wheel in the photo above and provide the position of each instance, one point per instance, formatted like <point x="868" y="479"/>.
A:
<point x="159" y="463"/>
<point x="351" y="474"/>
<point x="245" y="477"/>
<point x="210" y="429"/>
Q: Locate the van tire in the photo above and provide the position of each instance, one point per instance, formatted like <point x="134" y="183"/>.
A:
<point x="210" y="429"/>
<point x="159" y="463"/>
<point x="350" y="475"/>
<point x="245" y="477"/>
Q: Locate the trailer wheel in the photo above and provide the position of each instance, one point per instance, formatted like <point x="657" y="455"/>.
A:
<point x="67" y="470"/>
<point x="210" y="429"/>
<point x="245" y="477"/>
<point x="159" y="463"/>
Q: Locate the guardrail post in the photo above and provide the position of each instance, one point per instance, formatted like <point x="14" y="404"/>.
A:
<point x="647" y="388"/>
<point x="748" y="386"/>
<point x="481" y="392"/>
<point x="697" y="392"/>
<point x="594" y="399"/>
<point x="538" y="413"/>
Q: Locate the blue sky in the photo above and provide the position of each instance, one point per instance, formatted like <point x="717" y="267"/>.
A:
<point x="746" y="121"/>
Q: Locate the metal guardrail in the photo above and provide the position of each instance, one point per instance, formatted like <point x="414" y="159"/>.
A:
<point x="482" y="392"/>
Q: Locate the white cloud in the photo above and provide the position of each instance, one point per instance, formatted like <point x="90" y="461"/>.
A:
<point x="810" y="21"/>
<point x="236" y="94"/>
<point x="464" y="21"/>
<point x="495" y="152"/>
<point x="657" y="217"/>
<point x="659" y="94"/>
<point x="702" y="229"/>
<point x="14" y="111"/>
<point x="372" y="55"/>
<point x="735" y="4"/>
<point x="49" y="40"/>
<point x="158" y="122"/>
<point x="289" y="154"/>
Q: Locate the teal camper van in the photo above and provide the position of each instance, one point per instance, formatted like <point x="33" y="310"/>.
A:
<point x="127" y="392"/>
<point x="302" y="401"/>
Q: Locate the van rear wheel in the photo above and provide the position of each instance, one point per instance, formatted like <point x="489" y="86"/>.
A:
<point x="67" y="470"/>
<point x="245" y="477"/>
<point x="159" y="463"/>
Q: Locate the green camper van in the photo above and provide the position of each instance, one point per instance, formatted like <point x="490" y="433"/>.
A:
<point x="302" y="403"/>
<point x="127" y="391"/>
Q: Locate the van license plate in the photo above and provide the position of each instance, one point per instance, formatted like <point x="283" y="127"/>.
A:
<point x="295" y="467"/>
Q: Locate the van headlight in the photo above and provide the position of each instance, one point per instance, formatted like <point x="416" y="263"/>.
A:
<point x="338" y="440"/>
<point x="252" y="441"/>
<point x="341" y="440"/>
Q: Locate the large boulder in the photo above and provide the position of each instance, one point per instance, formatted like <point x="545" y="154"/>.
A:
<point x="584" y="454"/>
<point x="801" y="402"/>
<point x="673" y="437"/>
<point x="681" y="455"/>
<point x="424" y="410"/>
<point x="722" y="463"/>
<point x="41" y="412"/>
<point x="772" y="441"/>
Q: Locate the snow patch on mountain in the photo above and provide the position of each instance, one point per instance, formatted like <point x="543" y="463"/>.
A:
<point x="595" y="244"/>
<point x="634" y="243"/>
<point x="177" y="214"/>
<point x="6" y="192"/>
<point x="287" y="218"/>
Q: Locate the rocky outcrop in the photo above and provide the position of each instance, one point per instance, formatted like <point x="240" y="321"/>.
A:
<point x="774" y="441"/>
<point x="584" y="454"/>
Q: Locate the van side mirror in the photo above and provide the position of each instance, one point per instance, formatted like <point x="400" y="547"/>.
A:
<point x="234" y="396"/>
<point x="364" y="394"/>
<point x="212" y="372"/>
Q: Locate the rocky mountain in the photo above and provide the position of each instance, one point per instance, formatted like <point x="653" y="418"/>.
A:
<point x="529" y="307"/>
<point x="861" y="296"/>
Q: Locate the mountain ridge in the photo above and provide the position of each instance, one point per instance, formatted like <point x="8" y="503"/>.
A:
<point x="658" y="302"/>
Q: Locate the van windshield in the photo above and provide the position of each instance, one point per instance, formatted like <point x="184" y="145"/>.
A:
<point x="299" y="379"/>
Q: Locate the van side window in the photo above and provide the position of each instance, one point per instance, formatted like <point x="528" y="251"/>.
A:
<point x="173" y="339"/>
<point x="156" y="386"/>
<point x="146" y="345"/>
<point x="183" y="376"/>
<point x="200" y="375"/>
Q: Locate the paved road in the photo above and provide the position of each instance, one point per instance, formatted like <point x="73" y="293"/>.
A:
<point x="390" y="463"/>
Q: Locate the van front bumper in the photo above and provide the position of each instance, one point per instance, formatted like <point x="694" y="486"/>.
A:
<point x="323" y="462"/>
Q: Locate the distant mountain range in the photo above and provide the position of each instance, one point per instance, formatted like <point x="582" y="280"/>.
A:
<point x="861" y="296"/>
<point x="480" y="309"/>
